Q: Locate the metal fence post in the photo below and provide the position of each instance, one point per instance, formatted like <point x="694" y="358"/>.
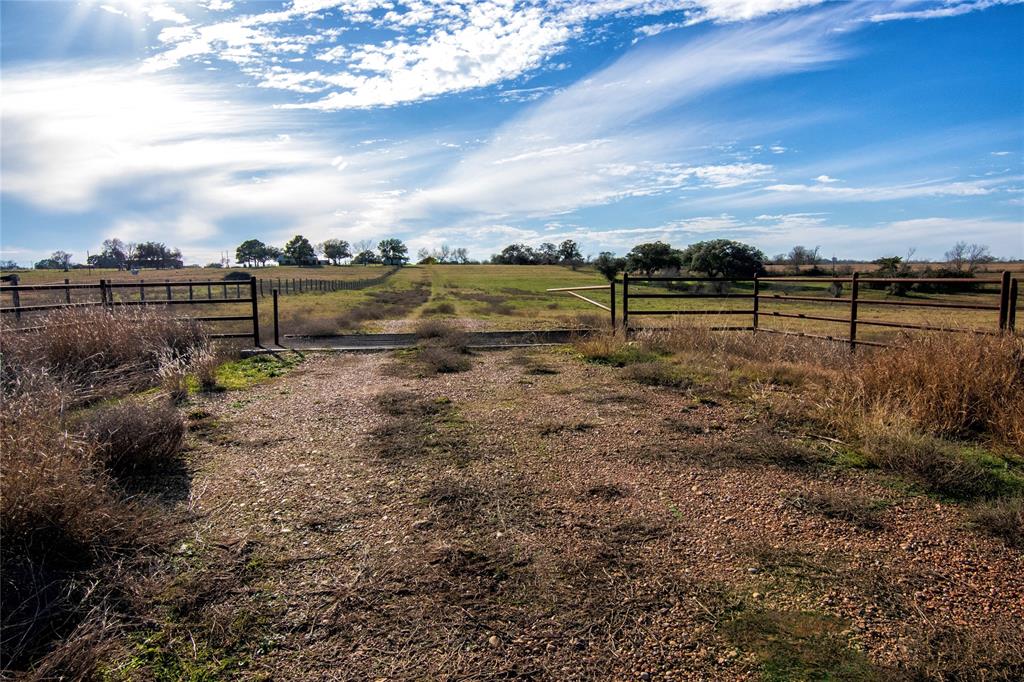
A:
<point x="757" y="294"/>
<point x="103" y="293"/>
<point x="67" y="290"/>
<point x="255" y="312"/>
<point x="611" y="288"/>
<point x="854" y="289"/>
<point x="1004" y="300"/>
<point x="16" y="296"/>
<point x="1012" y="308"/>
<point x="142" y="290"/>
<point x="190" y="293"/>
<point x="209" y="291"/>
<point x="167" y="283"/>
<point x="625" y="304"/>
<point x="277" y="338"/>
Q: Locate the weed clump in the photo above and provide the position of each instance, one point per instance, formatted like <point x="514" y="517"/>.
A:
<point x="442" y="348"/>
<point x="1003" y="519"/>
<point x="131" y="435"/>
<point x="657" y="374"/>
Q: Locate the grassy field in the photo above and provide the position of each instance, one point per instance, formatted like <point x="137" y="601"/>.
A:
<point x="515" y="297"/>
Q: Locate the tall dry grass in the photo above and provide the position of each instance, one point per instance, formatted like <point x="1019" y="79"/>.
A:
<point x="952" y="385"/>
<point x="69" y="533"/>
<point x="94" y="353"/>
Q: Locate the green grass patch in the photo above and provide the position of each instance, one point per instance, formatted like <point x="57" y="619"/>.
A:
<point x="799" y="645"/>
<point x="241" y="374"/>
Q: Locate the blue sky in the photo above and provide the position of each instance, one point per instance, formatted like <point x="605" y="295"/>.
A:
<point x="867" y="128"/>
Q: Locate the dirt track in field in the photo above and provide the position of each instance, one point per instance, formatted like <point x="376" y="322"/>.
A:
<point x="542" y="518"/>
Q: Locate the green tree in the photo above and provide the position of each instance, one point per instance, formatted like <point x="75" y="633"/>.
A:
<point x="250" y="252"/>
<point x="651" y="257"/>
<point x="516" y="254"/>
<point x="723" y="258"/>
<point x="336" y="250"/>
<point x="547" y="253"/>
<point x="366" y="257"/>
<point x="609" y="265"/>
<point x="299" y="251"/>
<point x="393" y="251"/>
<point x="569" y="253"/>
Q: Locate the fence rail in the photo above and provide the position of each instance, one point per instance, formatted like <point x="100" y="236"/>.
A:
<point x="109" y="298"/>
<point x="1004" y="320"/>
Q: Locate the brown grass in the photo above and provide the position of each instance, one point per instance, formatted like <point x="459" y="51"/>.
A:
<point x="96" y="353"/>
<point x="1002" y="518"/>
<point x="958" y="385"/>
<point x="133" y="435"/>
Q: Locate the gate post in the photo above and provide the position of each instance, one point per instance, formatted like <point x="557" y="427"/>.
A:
<point x="611" y="286"/>
<point x="757" y="293"/>
<point x="1004" y="300"/>
<point x="1012" y="307"/>
<point x="854" y="289"/>
<point x="255" y="312"/>
<point x="277" y="338"/>
<point x="625" y="304"/>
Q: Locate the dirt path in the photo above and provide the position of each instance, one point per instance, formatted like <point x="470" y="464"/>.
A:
<point x="541" y="518"/>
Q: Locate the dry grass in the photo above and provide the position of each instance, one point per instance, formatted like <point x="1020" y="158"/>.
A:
<point x="944" y="653"/>
<point x="133" y="435"/>
<point x="957" y="385"/>
<point x="96" y="353"/>
<point x="65" y="533"/>
<point x="1002" y="518"/>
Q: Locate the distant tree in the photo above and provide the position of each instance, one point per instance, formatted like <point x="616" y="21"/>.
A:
<point x="569" y="253"/>
<point x="270" y="253"/>
<point x="427" y="260"/>
<point x="62" y="259"/>
<point x="393" y="251"/>
<point x="363" y="245"/>
<point x="155" y="255"/>
<point x="216" y="265"/>
<point x="336" y="250"/>
<point x="964" y="257"/>
<point x="460" y="255"/>
<point x="113" y="254"/>
<point x="366" y="257"/>
<point x="609" y="265"/>
<point x="516" y="254"/>
<point x="298" y="251"/>
<point x="547" y="254"/>
<point x="801" y="255"/>
<point x="423" y="254"/>
<point x="723" y="258"/>
<point x="8" y="265"/>
<point x="250" y="252"/>
<point x="651" y="257"/>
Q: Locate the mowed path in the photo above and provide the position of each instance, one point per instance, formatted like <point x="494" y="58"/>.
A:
<point x="542" y="518"/>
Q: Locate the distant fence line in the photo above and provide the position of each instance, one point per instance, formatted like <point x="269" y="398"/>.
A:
<point x="1004" y="319"/>
<point x="168" y="291"/>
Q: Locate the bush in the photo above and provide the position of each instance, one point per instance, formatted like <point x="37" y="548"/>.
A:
<point x="440" y="309"/>
<point x="131" y="436"/>
<point x="443" y="360"/>
<point x="238" y="275"/>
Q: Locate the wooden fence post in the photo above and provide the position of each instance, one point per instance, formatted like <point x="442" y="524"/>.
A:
<point x="255" y="312"/>
<point x="209" y="291"/>
<point x="167" y="283"/>
<point x="854" y="289"/>
<point x="190" y="293"/>
<point x="625" y="304"/>
<point x="1004" y="300"/>
<point x="67" y="290"/>
<point x="757" y="293"/>
<point x="142" y="290"/>
<point x="277" y="338"/>
<point x="225" y="290"/>
<point x="238" y="289"/>
<point x="103" y="293"/>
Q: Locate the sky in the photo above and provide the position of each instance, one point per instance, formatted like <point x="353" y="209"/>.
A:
<point x="866" y="128"/>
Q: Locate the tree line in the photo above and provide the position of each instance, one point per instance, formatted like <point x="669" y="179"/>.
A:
<point x="118" y="255"/>
<point x="300" y="251"/>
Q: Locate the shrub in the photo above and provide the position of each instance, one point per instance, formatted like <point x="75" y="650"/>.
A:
<point x="614" y="350"/>
<point x="443" y="331"/>
<point x="1003" y="519"/>
<point x="238" y="275"/>
<point x="443" y="360"/>
<point x="440" y="309"/>
<point x="132" y="435"/>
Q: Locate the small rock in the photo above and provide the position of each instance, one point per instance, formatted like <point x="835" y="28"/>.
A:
<point x="494" y="641"/>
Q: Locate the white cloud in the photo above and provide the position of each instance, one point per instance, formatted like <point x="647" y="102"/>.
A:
<point x="948" y="8"/>
<point x="825" y="192"/>
<point x="826" y="179"/>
